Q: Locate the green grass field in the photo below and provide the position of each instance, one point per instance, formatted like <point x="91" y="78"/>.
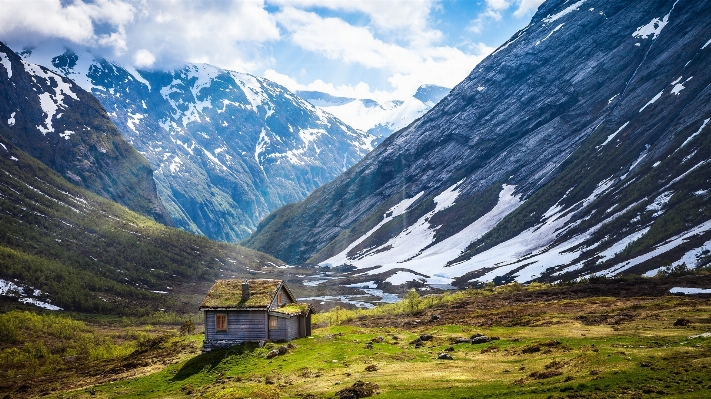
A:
<point x="593" y="347"/>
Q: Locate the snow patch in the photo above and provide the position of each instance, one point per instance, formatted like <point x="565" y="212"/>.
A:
<point x="660" y="249"/>
<point x="66" y="134"/>
<point x="566" y="11"/>
<point x="41" y="304"/>
<point x="8" y="288"/>
<point x="137" y="75"/>
<point x="366" y="284"/>
<point x="652" y="101"/>
<point x="689" y="291"/>
<point x="262" y="144"/>
<point x="402" y="277"/>
<point x="703" y="125"/>
<point x="50" y="101"/>
<point x="692" y="257"/>
<point x="393" y="212"/>
<point x="619" y="246"/>
<point x="175" y="165"/>
<point x="612" y="136"/>
<point x="654" y="27"/>
<point x="706" y="44"/>
<point x="659" y="203"/>
<point x="11" y="121"/>
<point x="549" y="34"/>
<point x="133" y="120"/>
<point x="5" y="62"/>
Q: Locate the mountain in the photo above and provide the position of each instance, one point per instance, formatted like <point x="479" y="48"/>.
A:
<point x="580" y="147"/>
<point x="226" y="147"/>
<point x="63" y="247"/>
<point x="431" y="94"/>
<point x="378" y="119"/>
<point x="65" y="127"/>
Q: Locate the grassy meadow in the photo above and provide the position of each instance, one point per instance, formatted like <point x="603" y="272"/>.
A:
<point x="544" y="342"/>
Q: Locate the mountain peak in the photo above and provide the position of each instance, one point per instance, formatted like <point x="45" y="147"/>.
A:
<point x="431" y="93"/>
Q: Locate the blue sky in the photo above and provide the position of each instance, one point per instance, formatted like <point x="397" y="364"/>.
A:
<point x="377" y="49"/>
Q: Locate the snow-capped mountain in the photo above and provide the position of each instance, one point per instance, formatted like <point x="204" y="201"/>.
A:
<point x="63" y="126"/>
<point x="378" y="119"/>
<point x="580" y="147"/>
<point x="226" y="147"/>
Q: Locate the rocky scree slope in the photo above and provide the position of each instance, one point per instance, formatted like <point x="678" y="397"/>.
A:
<point x="579" y="147"/>
<point x="62" y="247"/>
<point x="59" y="123"/>
<point x="227" y="148"/>
<point x="378" y="119"/>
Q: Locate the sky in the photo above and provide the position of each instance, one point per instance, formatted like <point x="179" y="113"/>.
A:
<point x="379" y="49"/>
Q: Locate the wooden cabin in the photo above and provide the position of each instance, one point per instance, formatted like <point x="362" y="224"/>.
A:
<point x="239" y="311"/>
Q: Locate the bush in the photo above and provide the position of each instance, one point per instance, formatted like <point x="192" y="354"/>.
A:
<point x="188" y="328"/>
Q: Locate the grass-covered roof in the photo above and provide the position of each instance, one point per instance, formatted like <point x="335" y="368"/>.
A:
<point x="294" y="309"/>
<point x="228" y="294"/>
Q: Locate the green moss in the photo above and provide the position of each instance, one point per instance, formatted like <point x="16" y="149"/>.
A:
<point x="228" y="294"/>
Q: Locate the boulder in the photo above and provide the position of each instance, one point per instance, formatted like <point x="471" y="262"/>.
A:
<point x="480" y="339"/>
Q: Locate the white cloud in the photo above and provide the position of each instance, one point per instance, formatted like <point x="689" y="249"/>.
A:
<point x="224" y="33"/>
<point x="404" y="16"/>
<point x="477" y="24"/>
<point x="445" y="66"/>
<point x="527" y="6"/>
<point x="495" y="8"/>
<point x="143" y="58"/>
<point x="498" y="4"/>
<point x="409" y="64"/>
<point x="358" y="90"/>
<point x="393" y="39"/>
<point x="75" y="21"/>
<point x="338" y="40"/>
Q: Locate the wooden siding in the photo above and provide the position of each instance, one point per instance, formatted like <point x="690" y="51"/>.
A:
<point x="241" y="326"/>
<point x="287" y="329"/>
<point x="292" y="328"/>
<point x="284" y="299"/>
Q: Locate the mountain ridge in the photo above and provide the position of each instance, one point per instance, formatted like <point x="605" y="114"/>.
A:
<point x="65" y="127"/>
<point x="378" y="118"/>
<point x="226" y="147"/>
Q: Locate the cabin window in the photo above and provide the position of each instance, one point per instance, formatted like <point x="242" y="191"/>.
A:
<point x="279" y="299"/>
<point x="221" y="322"/>
<point x="273" y="322"/>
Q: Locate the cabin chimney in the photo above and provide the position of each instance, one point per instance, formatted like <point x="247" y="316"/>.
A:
<point x="246" y="292"/>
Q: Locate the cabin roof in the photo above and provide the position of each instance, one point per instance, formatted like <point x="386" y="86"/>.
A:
<point x="292" y="309"/>
<point x="227" y="294"/>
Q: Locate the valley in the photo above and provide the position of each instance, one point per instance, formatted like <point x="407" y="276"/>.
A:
<point x="540" y="230"/>
<point x="593" y="340"/>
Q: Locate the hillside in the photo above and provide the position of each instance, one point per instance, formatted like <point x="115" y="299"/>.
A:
<point x="62" y="125"/>
<point x="64" y="247"/>
<point x="226" y="147"/>
<point x="577" y="148"/>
